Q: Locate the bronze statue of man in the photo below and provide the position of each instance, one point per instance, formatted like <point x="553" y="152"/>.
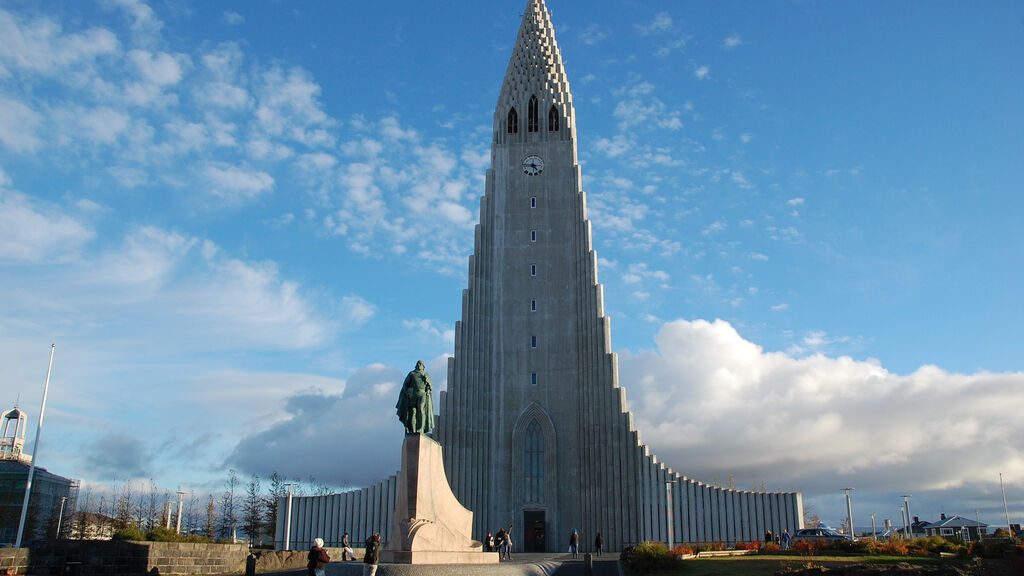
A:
<point x="415" y="402"/>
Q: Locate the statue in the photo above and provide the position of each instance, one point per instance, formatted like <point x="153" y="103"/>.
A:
<point x="415" y="402"/>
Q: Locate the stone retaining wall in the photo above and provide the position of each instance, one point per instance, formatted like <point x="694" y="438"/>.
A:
<point x="122" y="558"/>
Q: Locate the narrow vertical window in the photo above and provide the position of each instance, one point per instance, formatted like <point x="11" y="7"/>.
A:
<point x="533" y="305"/>
<point x="533" y="201"/>
<point x="532" y="122"/>
<point x="553" y="119"/>
<point x="533" y="341"/>
<point x="513" y="121"/>
<point x="533" y="378"/>
<point x="534" y="463"/>
<point x="533" y="235"/>
<point x="533" y="269"/>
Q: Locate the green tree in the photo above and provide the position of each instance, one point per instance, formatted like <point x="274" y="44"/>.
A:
<point x="276" y="491"/>
<point x="229" y="508"/>
<point x="252" y="510"/>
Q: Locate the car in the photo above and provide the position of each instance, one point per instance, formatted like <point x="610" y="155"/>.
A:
<point x="818" y="534"/>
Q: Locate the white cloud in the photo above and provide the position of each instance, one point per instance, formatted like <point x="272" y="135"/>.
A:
<point x="662" y="22"/>
<point x="18" y="125"/>
<point x="288" y="106"/>
<point x="719" y="404"/>
<point x="232" y="18"/>
<point x="732" y="41"/>
<point x="40" y="46"/>
<point x="160" y="68"/>
<point x="32" y="231"/>
<point x="237" y="184"/>
<point x="702" y="72"/>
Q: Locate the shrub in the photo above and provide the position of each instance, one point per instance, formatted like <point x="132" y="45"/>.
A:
<point x="683" y="550"/>
<point x="993" y="548"/>
<point x="808" y="547"/>
<point x="161" y="534"/>
<point x="770" y="548"/>
<point x="648" y="557"/>
<point x="937" y="544"/>
<point x="892" y="547"/>
<point x="129" y="532"/>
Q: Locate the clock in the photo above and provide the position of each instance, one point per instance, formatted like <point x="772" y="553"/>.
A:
<point x="533" y="165"/>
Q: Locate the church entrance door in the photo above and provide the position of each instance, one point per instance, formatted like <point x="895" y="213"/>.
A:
<point x="533" y="522"/>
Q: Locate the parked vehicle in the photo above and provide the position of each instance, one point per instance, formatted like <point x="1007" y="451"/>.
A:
<point x="821" y="534"/>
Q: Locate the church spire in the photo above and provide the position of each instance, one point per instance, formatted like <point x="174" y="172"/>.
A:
<point x="535" y="70"/>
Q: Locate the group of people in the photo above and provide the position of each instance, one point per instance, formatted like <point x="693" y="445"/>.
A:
<point x="500" y="542"/>
<point x="574" y="544"/>
<point x="782" y="540"/>
<point x="318" y="557"/>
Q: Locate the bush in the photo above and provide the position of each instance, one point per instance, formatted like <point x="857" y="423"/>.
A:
<point x="683" y="550"/>
<point x="938" y="544"/>
<point x="648" y="557"/>
<point x="892" y="547"/>
<point x="161" y="534"/>
<point x="129" y="532"/>
<point x="993" y="548"/>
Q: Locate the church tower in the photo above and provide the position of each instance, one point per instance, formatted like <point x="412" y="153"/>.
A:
<point x="534" y="423"/>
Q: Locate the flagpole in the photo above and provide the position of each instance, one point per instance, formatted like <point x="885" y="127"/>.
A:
<point x="35" y="448"/>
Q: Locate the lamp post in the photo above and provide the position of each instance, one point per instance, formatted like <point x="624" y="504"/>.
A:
<point x="909" y="524"/>
<point x="849" y="511"/>
<point x="60" y="517"/>
<point x="35" y="448"/>
<point x="1009" y="529"/>
<point x="177" y="527"/>
<point x="670" y="524"/>
<point x="903" y="517"/>
<point x="288" y="517"/>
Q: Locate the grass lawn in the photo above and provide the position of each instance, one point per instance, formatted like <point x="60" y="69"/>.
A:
<point x="769" y="565"/>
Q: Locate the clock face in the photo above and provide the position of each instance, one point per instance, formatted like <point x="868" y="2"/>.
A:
<point x="533" y="165"/>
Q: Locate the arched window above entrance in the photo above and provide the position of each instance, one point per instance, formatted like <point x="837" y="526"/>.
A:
<point x="533" y="463"/>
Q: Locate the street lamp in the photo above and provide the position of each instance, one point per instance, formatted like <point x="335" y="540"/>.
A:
<point x="903" y="517"/>
<point x="849" y="511"/>
<point x="60" y="517"/>
<point x="909" y="524"/>
<point x="288" y="517"/>
<point x="35" y="448"/>
<point x="177" y="527"/>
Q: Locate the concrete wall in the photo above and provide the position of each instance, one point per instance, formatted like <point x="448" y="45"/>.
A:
<point x="117" y="558"/>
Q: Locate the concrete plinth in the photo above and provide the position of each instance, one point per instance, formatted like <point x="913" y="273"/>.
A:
<point x="431" y="526"/>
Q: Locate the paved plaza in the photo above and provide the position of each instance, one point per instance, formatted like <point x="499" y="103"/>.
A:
<point x="520" y="565"/>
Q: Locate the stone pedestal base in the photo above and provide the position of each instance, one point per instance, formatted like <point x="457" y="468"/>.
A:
<point x="431" y="526"/>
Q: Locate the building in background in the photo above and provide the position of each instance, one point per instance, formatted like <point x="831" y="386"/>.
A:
<point x="52" y="502"/>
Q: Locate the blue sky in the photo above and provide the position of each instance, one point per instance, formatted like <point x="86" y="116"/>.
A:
<point x="243" y="222"/>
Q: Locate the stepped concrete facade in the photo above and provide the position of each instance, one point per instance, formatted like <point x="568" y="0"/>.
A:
<point x="534" y="424"/>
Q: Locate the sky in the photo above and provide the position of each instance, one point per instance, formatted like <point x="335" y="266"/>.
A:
<point x="242" y="223"/>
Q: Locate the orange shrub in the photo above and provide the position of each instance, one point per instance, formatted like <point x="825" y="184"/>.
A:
<point x="893" y="547"/>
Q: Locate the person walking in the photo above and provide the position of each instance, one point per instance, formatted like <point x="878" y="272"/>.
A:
<point x="574" y="544"/>
<point x="372" y="554"/>
<point x="317" y="559"/>
<point x="598" y="544"/>
<point x="346" y="548"/>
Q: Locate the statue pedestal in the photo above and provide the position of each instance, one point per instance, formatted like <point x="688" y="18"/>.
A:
<point x="431" y="526"/>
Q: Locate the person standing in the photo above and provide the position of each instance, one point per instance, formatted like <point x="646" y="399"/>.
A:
<point x="372" y="554"/>
<point x="785" y="539"/>
<point x="507" y="546"/>
<point x="489" y="542"/>
<point x="599" y="544"/>
<point x="574" y="544"/>
<point x="346" y="548"/>
<point x="317" y="559"/>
